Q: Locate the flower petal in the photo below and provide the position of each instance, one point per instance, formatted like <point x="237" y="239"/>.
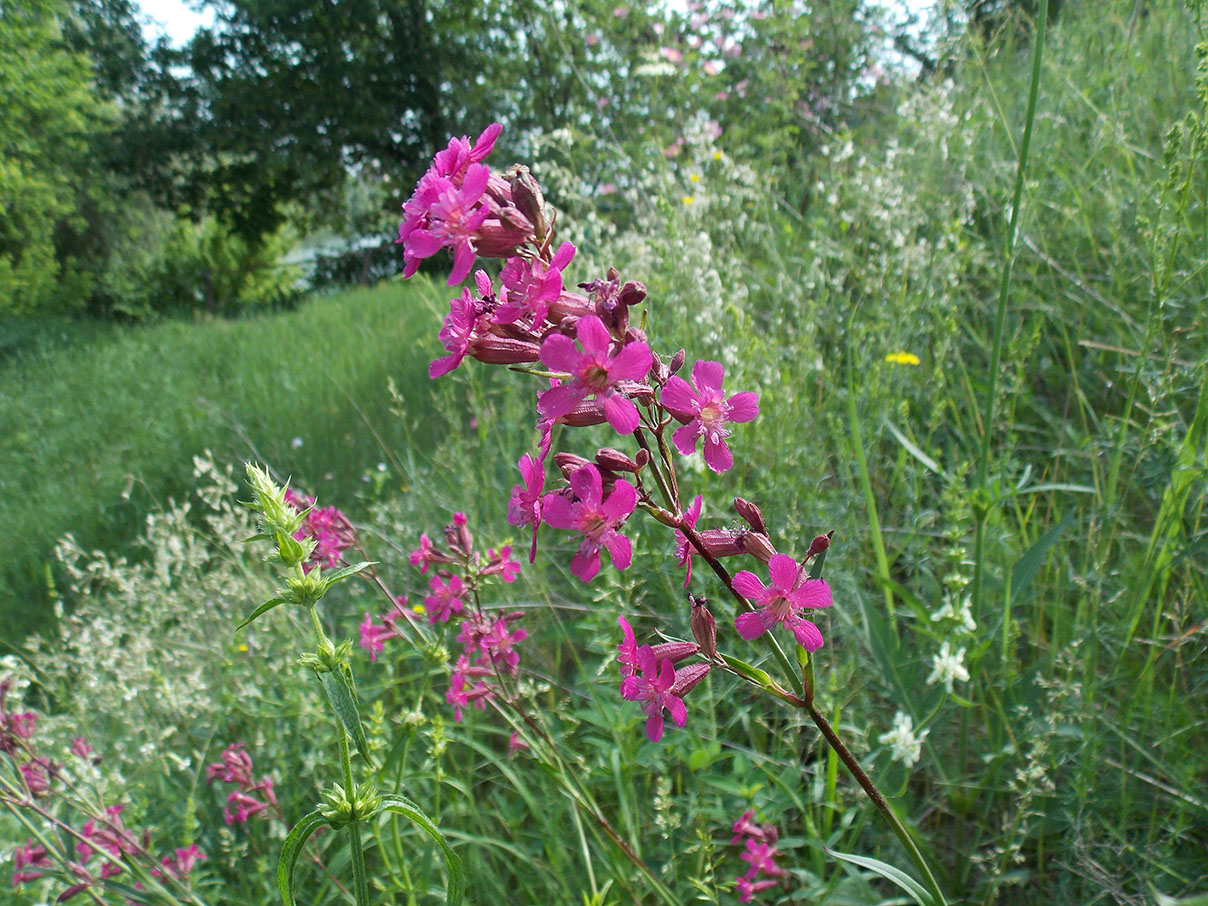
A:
<point x="707" y="376"/>
<point x="746" y="583"/>
<point x="594" y="337"/>
<point x="717" y="456"/>
<point x="621" y="502"/>
<point x="654" y="726"/>
<point x="743" y="406"/>
<point x="619" y="549"/>
<point x="751" y="625"/>
<point x="679" y="713"/>
<point x="632" y="363"/>
<point x="806" y="633"/>
<point x="678" y="399"/>
<point x="783" y="571"/>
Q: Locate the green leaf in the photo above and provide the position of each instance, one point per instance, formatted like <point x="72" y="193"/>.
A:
<point x="345" y="571"/>
<point x="913" y="450"/>
<point x="344" y="704"/>
<point x="754" y="674"/>
<point x="261" y="610"/>
<point x="917" y="891"/>
<point x="401" y="805"/>
<point x="1029" y="564"/>
<point x="1162" y="900"/>
<point x="291" y="850"/>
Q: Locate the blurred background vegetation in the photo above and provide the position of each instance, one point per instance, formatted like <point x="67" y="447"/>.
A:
<point x="805" y="189"/>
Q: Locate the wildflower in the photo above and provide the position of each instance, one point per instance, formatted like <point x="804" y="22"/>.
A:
<point x="905" y="745"/>
<point x="425" y="556"/>
<point x="627" y="651"/>
<point x="445" y="598"/>
<point x="597" y="517"/>
<point x="947" y="667"/>
<point x="688" y="199"/>
<point x="761" y="857"/>
<point x="747" y="889"/>
<point x="705" y="412"/>
<point x="516" y="744"/>
<point x="902" y="358"/>
<point x="684" y="549"/>
<point x="443" y="214"/>
<point x="498" y="645"/>
<point x="38" y="774"/>
<point x="780" y="601"/>
<point x="654" y="687"/>
<point x="179" y="865"/>
<point x="30" y="856"/>
<point x="234" y="766"/>
<point x="110" y="833"/>
<point x="594" y="373"/>
<point x="500" y="563"/>
<point x="532" y="285"/>
<point x="962" y="614"/>
<point x="373" y="636"/>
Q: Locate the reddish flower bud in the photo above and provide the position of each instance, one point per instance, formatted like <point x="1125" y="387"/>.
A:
<point x="819" y="544"/>
<point x="750" y="514"/>
<point x="569" y="463"/>
<point x="723" y="542"/>
<point x="633" y="293"/>
<point x="704" y="629"/>
<point x="758" y="546"/>
<point x="496" y="350"/>
<point x="677" y="361"/>
<point x="527" y="196"/>
<point x="689" y="678"/>
<point x="674" y="651"/>
<point x="642" y="458"/>
<point x="609" y="458"/>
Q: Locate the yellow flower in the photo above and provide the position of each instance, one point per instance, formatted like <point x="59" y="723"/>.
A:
<point x="902" y="358"/>
<point x="695" y="177"/>
<point x="418" y="608"/>
<point x="688" y="199"/>
<point x="717" y="155"/>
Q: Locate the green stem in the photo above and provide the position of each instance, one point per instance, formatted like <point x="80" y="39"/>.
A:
<point x="360" y="884"/>
<point x="1000" y="321"/>
<point x="899" y="829"/>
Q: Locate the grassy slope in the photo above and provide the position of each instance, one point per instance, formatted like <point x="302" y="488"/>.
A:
<point x="93" y="433"/>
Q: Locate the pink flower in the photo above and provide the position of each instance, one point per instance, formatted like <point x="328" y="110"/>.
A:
<point x="444" y="600"/>
<point x="22" y="725"/>
<point x="179" y="865"/>
<point x="780" y="601"/>
<point x="627" y="651"/>
<point x="423" y="557"/>
<point x="373" y="636"/>
<point x="501" y="564"/>
<point x="597" y="517"/>
<point x="525" y="506"/>
<point x="671" y="54"/>
<point x="654" y="687"/>
<point x="234" y="766"/>
<point x="705" y="412"/>
<point x="761" y="857"/>
<point x="38" y="773"/>
<point x="498" y="645"/>
<point x="516" y="744"/>
<point x="594" y="373"/>
<point x="746" y="889"/>
<point x="454" y="161"/>
<point x="445" y="215"/>
<point x="31" y="855"/>
<point x="683" y="547"/>
<point x="532" y="285"/>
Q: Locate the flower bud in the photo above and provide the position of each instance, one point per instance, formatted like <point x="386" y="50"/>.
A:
<point x="704" y="629"/>
<point x="750" y="514"/>
<point x="633" y="293"/>
<point x="723" y="542"/>
<point x="569" y="463"/>
<point x="642" y="458"/>
<point x="674" y="651"/>
<point x="615" y="460"/>
<point x="689" y="678"/>
<point x="496" y="350"/>
<point x="527" y="197"/>
<point x="677" y="361"/>
<point x="758" y="546"/>
<point x="585" y="414"/>
<point x="820" y="544"/>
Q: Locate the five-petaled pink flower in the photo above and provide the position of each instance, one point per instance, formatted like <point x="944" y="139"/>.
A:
<point x="653" y="686"/>
<point x="780" y="601"/>
<point x="445" y="599"/>
<point x="445" y="214"/>
<point x="594" y="373"/>
<point x="525" y="506"/>
<point x="597" y="517"/>
<point x="706" y="412"/>
<point x="532" y="285"/>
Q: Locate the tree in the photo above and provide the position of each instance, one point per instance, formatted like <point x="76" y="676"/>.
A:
<point x="47" y="115"/>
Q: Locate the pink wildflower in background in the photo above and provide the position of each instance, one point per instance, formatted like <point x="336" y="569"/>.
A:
<point x="30" y="856"/>
<point x="596" y="517"/>
<point x="424" y="557"/>
<point x="179" y="865"/>
<point x="706" y="413"/>
<point x="780" y="601"/>
<point x="252" y="796"/>
<point x="373" y="636"/>
<point x="445" y="599"/>
<point x="594" y="373"/>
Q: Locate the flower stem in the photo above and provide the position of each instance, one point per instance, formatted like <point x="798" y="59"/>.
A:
<point x="360" y="884"/>
<point x="878" y="801"/>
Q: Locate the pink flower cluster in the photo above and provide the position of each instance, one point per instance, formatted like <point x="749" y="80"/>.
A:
<point x="332" y="532"/>
<point x="650" y="676"/>
<point x="487" y="637"/>
<point x="251" y="796"/>
<point x="759" y="852"/>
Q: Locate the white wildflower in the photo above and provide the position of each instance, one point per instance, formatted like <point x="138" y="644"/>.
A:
<point x="962" y="614"/>
<point x="905" y="746"/>
<point x="946" y="667"/>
